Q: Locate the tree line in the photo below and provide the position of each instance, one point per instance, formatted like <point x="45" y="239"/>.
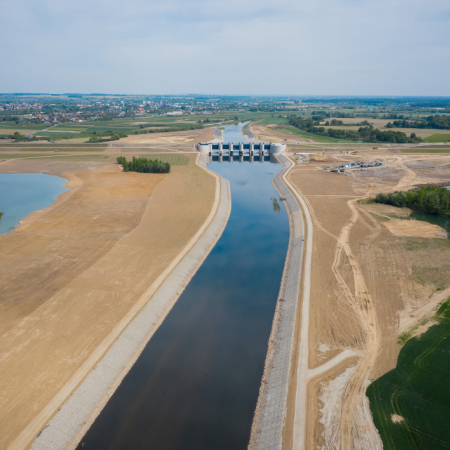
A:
<point x="143" y="165"/>
<point x="169" y="130"/>
<point x="365" y="134"/>
<point x="428" y="199"/>
<point x="433" y="122"/>
<point x="107" y="136"/>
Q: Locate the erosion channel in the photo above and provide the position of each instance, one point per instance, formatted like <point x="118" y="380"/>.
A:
<point x="196" y="384"/>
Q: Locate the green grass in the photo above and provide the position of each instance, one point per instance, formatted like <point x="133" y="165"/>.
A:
<point x="59" y="149"/>
<point x="418" y="390"/>
<point x="293" y="131"/>
<point x="56" y="156"/>
<point x="438" y="138"/>
<point x="427" y="150"/>
<point x="273" y="120"/>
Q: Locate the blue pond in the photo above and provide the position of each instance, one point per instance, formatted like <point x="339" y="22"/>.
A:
<point x="196" y="384"/>
<point x="23" y="193"/>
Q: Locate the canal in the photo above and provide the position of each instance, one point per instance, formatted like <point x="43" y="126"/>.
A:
<point x="196" y="384"/>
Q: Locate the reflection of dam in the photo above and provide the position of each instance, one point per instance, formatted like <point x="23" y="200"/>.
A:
<point x="240" y="152"/>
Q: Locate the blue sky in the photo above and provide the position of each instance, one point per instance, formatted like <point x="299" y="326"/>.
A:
<point x="260" y="47"/>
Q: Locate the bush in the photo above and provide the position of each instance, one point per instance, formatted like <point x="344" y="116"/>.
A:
<point x="428" y="199"/>
<point x="143" y="165"/>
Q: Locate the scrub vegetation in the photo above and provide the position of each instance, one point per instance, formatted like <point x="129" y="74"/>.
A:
<point x="143" y="165"/>
<point x="438" y="138"/>
<point x="428" y="199"/>
<point x="365" y="133"/>
<point x="411" y="404"/>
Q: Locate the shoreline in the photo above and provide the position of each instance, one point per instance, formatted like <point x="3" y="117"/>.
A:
<point x="85" y="395"/>
<point x="271" y="409"/>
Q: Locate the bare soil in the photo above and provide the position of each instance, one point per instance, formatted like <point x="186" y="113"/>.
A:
<point x="193" y="136"/>
<point x="371" y="270"/>
<point x="71" y="272"/>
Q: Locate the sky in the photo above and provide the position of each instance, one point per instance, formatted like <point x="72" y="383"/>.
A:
<point x="226" y="47"/>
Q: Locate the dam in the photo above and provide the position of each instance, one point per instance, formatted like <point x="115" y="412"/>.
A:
<point x="240" y="152"/>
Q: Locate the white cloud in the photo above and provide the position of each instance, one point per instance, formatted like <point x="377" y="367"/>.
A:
<point x="398" y="47"/>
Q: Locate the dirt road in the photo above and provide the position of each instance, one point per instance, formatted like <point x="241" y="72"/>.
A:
<point x="360" y="283"/>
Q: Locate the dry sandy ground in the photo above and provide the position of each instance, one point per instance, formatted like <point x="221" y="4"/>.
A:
<point x="72" y="271"/>
<point x="269" y="134"/>
<point x="193" y="136"/>
<point x="370" y="270"/>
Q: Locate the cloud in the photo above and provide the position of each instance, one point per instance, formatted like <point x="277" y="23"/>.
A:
<point x="358" y="47"/>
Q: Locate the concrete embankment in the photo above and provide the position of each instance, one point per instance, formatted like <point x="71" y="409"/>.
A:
<point x="68" y="426"/>
<point x="270" y="412"/>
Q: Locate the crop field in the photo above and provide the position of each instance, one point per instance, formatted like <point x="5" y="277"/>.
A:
<point x="411" y="404"/>
<point x="293" y="131"/>
<point x="440" y="149"/>
<point x="58" y="149"/>
<point x="274" y="120"/>
<point x="24" y="126"/>
<point x="438" y="138"/>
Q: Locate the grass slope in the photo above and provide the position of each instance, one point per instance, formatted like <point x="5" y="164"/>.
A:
<point x="293" y="131"/>
<point x="418" y="390"/>
<point x="437" y="138"/>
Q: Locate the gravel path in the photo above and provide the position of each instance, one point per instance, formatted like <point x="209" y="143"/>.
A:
<point x="69" y="425"/>
<point x="270" y="412"/>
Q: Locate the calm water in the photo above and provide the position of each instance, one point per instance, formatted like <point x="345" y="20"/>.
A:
<point x="443" y="222"/>
<point x="23" y="193"/>
<point x="233" y="133"/>
<point x="196" y="384"/>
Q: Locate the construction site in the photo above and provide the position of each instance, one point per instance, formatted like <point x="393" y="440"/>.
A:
<point x="358" y="277"/>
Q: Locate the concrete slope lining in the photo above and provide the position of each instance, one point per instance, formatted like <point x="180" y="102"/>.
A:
<point x="71" y="422"/>
<point x="268" y="423"/>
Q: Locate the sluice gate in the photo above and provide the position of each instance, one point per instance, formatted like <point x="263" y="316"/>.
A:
<point x="240" y="152"/>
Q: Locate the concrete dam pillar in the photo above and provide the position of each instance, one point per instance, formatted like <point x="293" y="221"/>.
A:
<point x="277" y="148"/>
<point x="204" y="147"/>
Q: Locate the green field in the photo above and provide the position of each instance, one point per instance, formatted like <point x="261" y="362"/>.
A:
<point x="58" y="149"/>
<point x="274" y="120"/>
<point x="417" y="390"/>
<point x="57" y="156"/>
<point x="438" y="138"/>
<point x="293" y="131"/>
<point x="427" y="150"/>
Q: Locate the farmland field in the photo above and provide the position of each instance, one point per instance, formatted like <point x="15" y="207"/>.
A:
<point x="293" y="131"/>
<point x="411" y="404"/>
<point x="438" y="138"/>
<point x="437" y="149"/>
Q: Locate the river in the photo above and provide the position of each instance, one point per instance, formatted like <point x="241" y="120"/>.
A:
<point x="196" y="384"/>
<point x="23" y="193"/>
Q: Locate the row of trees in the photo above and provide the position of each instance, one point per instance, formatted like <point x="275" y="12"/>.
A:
<point x="143" y="165"/>
<point x="107" y="136"/>
<point x="21" y="138"/>
<point x="433" y="122"/>
<point x="169" y="130"/>
<point x="428" y="199"/>
<point x="365" y="134"/>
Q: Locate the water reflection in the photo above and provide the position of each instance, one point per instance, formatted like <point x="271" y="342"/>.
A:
<point x="196" y="384"/>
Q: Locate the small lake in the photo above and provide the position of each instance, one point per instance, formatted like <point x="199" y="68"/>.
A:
<point x="196" y="384"/>
<point x="23" y="193"/>
<point x="443" y="222"/>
